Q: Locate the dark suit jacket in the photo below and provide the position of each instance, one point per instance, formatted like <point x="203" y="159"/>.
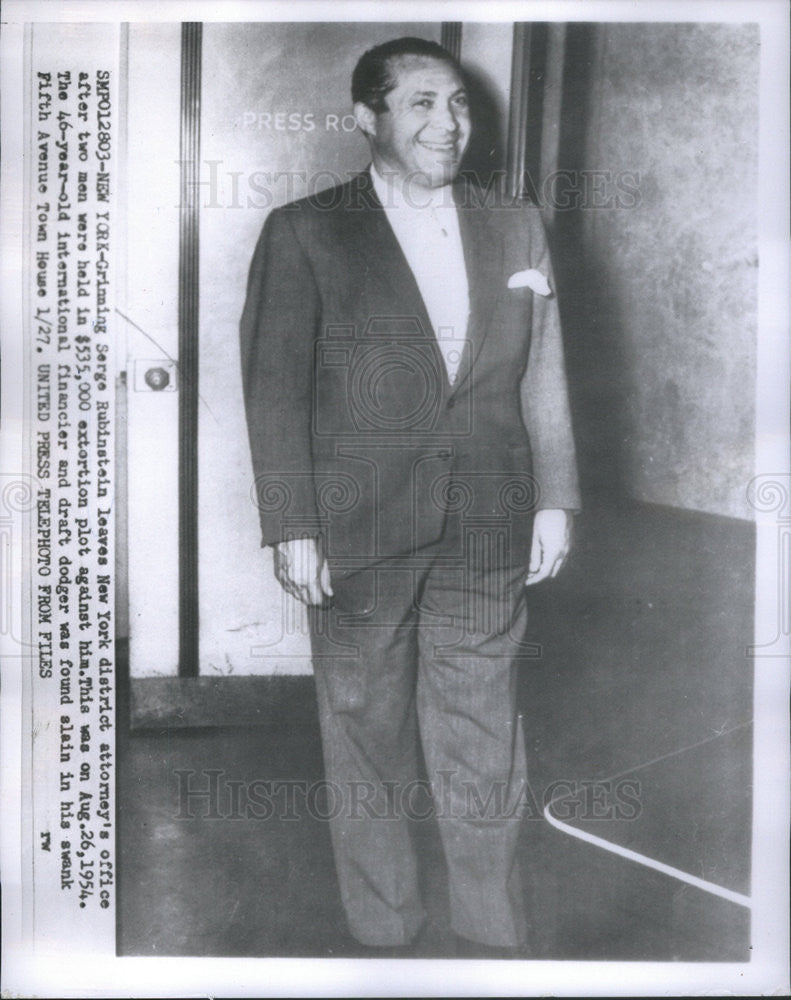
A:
<point x="354" y="430"/>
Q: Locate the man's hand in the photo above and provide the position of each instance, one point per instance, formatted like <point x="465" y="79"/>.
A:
<point x="302" y="570"/>
<point x="551" y="544"/>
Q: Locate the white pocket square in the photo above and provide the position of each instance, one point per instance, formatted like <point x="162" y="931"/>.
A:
<point x="532" y="279"/>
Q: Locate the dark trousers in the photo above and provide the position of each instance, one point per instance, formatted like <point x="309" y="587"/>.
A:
<point x="426" y="649"/>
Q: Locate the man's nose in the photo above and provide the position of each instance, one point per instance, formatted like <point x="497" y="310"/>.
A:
<point x="445" y="118"/>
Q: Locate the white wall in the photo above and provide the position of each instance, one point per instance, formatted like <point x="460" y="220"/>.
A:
<point x="667" y="347"/>
<point x="148" y="296"/>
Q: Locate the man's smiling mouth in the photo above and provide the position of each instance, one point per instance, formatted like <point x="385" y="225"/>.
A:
<point x="438" y="147"/>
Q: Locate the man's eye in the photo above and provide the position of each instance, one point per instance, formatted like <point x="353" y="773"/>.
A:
<point x="461" y="101"/>
<point x="424" y="103"/>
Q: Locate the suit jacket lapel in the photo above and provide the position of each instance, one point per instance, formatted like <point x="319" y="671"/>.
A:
<point x="483" y="256"/>
<point x="385" y="263"/>
<point x="387" y="267"/>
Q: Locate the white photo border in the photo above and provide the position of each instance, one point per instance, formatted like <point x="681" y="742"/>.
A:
<point x="26" y="972"/>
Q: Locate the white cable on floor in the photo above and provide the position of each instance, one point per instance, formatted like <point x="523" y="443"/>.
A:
<point x="643" y="859"/>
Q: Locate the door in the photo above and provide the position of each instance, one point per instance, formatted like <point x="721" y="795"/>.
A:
<point x="226" y="121"/>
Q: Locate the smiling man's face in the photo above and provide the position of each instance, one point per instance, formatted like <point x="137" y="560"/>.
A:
<point x="425" y="130"/>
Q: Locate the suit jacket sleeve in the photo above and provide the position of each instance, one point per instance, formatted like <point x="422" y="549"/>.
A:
<point x="278" y="327"/>
<point x="544" y="395"/>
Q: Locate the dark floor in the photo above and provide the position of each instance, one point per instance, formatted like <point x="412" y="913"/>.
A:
<point x="642" y="676"/>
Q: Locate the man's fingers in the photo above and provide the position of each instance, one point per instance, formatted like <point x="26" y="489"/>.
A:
<point x="548" y="570"/>
<point x="302" y="570"/>
<point x="294" y="590"/>
<point x="324" y="579"/>
<point x="291" y="586"/>
<point x="315" y="593"/>
<point x="532" y="578"/>
<point x="306" y="591"/>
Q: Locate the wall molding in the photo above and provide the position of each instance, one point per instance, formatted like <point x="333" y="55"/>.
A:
<point x="525" y="119"/>
<point x="188" y="356"/>
<point x="186" y="702"/>
<point x="450" y="37"/>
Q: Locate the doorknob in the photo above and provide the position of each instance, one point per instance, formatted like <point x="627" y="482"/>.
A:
<point x="157" y="378"/>
<point x="155" y="375"/>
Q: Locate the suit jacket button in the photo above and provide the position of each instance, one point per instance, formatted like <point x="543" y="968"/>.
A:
<point x="451" y="403"/>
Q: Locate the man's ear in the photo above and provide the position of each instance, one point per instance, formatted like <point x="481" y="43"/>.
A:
<point x="365" y="117"/>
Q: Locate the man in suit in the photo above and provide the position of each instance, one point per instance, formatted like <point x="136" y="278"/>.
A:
<point x="412" y="449"/>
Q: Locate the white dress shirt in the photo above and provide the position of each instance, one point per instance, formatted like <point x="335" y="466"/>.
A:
<point x="426" y="225"/>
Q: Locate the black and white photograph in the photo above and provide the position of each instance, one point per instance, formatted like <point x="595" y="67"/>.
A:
<point x="399" y="495"/>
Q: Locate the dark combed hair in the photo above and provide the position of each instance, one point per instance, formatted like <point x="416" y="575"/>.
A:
<point x="373" y="78"/>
